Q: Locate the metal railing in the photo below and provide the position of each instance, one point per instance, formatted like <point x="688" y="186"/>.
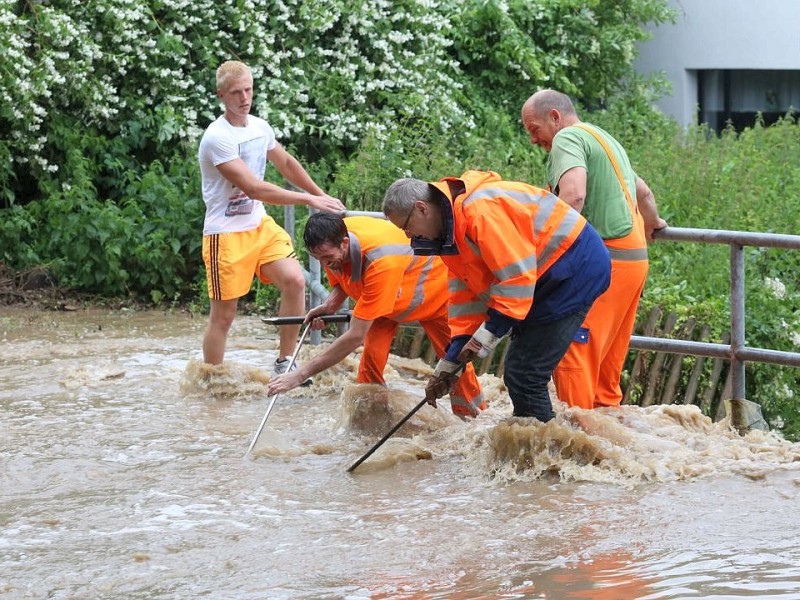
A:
<point x="737" y="351"/>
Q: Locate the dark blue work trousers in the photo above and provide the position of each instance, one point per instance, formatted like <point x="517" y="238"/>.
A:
<point x="535" y="350"/>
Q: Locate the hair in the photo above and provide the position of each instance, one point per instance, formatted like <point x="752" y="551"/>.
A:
<point x="231" y="69"/>
<point x="401" y="195"/>
<point x="322" y="228"/>
<point x="544" y="100"/>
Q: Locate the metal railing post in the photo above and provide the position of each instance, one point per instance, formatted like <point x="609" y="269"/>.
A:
<point x="313" y="278"/>
<point x="315" y="298"/>
<point x="737" y="321"/>
<point x="288" y="221"/>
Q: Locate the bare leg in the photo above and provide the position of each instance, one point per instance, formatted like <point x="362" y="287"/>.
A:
<point x="287" y="275"/>
<point x="219" y="323"/>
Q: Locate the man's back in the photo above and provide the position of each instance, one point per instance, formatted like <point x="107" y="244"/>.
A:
<point x="605" y="205"/>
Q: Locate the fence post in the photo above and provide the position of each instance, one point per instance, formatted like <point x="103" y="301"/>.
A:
<point x="288" y="221"/>
<point x="668" y="393"/>
<point x="649" y="395"/>
<point x="697" y="370"/>
<point x="635" y="372"/>
<point x="314" y="298"/>
<point x="737" y="321"/>
<point x="288" y="225"/>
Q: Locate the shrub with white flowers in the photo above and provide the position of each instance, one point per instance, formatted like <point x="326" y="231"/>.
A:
<point x="103" y="103"/>
<point x="130" y="80"/>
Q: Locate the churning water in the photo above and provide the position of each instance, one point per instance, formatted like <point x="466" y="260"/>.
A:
<point x="123" y="475"/>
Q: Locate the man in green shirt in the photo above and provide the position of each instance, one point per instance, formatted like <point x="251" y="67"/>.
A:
<point x="589" y="169"/>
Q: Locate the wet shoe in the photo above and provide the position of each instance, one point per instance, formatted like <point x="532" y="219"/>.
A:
<point x="280" y="368"/>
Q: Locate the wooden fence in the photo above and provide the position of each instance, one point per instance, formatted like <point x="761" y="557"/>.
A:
<point x="648" y="377"/>
<point x="665" y="378"/>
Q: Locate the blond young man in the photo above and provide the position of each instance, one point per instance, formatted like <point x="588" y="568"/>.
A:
<point x="240" y="240"/>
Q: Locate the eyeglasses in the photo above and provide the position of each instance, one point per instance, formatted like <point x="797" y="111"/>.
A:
<point x="408" y="218"/>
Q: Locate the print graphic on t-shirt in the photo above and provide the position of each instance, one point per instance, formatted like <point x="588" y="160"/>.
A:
<point x="240" y="204"/>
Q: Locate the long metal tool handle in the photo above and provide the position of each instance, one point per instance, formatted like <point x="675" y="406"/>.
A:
<point x="354" y="466"/>
<point x="275" y="396"/>
<point x="299" y="320"/>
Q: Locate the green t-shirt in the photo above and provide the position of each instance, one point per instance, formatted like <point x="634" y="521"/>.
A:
<point x="605" y="206"/>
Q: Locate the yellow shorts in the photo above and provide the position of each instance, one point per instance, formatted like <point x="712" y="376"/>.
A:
<point x="232" y="259"/>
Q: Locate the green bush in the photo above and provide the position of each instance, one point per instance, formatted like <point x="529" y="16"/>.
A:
<point x="148" y="247"/>
<point x="18" y="237"/>
<point x="421" y="150"/>
<point x="125" y="83"/>
<point x="97" y="94"/>
<point x="738" y="181"/>
<point x="104" y="102"/>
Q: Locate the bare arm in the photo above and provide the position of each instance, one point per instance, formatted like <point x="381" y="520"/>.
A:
<point x="332" y="303"/>
<point x="572" y="187"/>
<point x="335" y="353"/>
<point x="237" y="172"/>
<point x="293" y="172"/>
<point x="646" y="202"/>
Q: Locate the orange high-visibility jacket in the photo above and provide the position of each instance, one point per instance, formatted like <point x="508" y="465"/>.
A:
<point x="508" y="236"/>
<point x="386" y="279"/>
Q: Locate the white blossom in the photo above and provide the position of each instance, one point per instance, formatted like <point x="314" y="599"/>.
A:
<point x="775" y="286"/>
<point x="316" y="65"/>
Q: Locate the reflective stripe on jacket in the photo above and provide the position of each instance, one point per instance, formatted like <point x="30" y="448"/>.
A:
<point x="509" y="235"/>
<point x="405" y="287"/>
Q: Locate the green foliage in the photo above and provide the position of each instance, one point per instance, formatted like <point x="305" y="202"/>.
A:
<point x="168" y="219"/>
<point x="630" y="115"/>
<point x="266" y="297"/>
<point x="18" y="233"/>
<point x="103" y="103"/>
<point x="148" y="245"/>
<point x="98" y="95"/>
<point x="125" y="83"/>
<point x="421" y="150"/>
<point x="87" y="237"/>
<point x="738" y="181"/>
<point x="509" y="49"/>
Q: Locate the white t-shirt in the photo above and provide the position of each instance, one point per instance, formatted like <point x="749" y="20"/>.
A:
<point x="229" y="209"/>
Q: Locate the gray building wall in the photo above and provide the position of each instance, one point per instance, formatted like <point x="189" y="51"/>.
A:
<point x="758" y="35"/>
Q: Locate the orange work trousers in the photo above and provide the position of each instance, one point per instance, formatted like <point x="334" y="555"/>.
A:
<point x="466" y="398"/>
<point x="589" y="374"/>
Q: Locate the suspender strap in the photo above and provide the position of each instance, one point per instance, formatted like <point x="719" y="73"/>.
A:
<point x="631" y="204"/>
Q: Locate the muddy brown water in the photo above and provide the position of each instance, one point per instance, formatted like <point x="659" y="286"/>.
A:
<point x="123" y="475"/>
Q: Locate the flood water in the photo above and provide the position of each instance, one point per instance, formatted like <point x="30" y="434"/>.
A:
<point x="123" y="475"/>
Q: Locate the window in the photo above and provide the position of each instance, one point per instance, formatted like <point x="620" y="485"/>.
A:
<point x="737" y="96"/>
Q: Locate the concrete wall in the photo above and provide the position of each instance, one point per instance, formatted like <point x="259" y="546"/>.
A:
<point x="719" y="34"/>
